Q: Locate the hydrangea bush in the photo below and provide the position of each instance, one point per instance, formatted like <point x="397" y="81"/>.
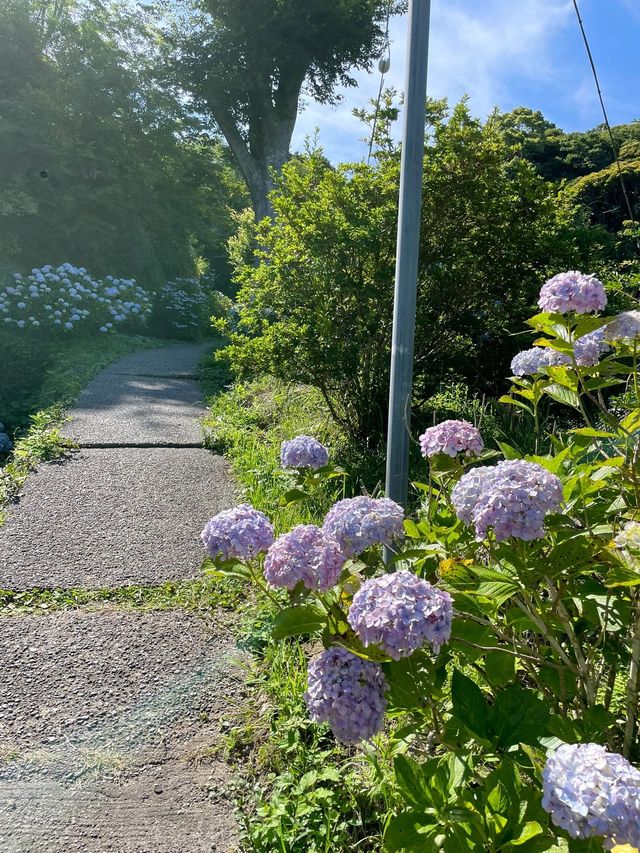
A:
<point x="68" y="299"/>
<point x="184" y="307"/>
<point x="493" y="655"/>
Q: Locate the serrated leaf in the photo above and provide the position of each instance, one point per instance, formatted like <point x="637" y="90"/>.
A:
<point x="411" y="831"/>
<point x="563" y="395"/>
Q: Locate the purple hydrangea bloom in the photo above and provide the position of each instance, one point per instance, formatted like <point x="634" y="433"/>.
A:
<point x="346" y="692"/>
<point x="5" y="442"/>
<point x="451" y="438"/>
<point x="624" y="327"/>
<point x="572" y="291"/>
<point x="512" y="497"/>
<point x="305" y="554"/>
<point x="303" y="451"/>
<point x="240" y="533"/>
<point x="590" y="792"/>
<point x="530" y="361"/>
<point x="588" y="349"/>
<point x="358" y="523"/>
<point x="400" y="613"/>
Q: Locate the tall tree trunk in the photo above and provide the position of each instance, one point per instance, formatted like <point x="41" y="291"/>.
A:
<point x="261" y="159"/>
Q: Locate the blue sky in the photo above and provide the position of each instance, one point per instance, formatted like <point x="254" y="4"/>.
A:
<point x="506" y="53"/>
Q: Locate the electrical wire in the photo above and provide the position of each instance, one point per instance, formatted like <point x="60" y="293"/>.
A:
<point x="606" y="121"/>
<point x="383" y="65"/>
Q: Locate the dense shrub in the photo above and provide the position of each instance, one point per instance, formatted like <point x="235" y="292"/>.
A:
<point x="318" y="307"/>
<point x="514" y="716"/>
<point x="183" y="308"/>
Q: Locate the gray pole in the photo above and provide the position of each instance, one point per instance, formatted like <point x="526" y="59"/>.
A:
<point x="404" y="315"/>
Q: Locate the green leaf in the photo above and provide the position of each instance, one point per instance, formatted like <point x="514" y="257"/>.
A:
<point x="500" y="668"/>
<point x="411" y="830"/>
<point x="508" y="451"/>
<point x="622" y="576"/>
<point x="512" y="402"/>
<point x="225" y="568"/>
<point x="518" y="716"/>
<point x="563" y="395"/>
<point x="411" y="781"/>
<point x="469" y="705"/>
<point x="530" y="830"/>
<point x="295" y="496"/>
<point x="411" y="680"/>
<point x="293" y="621"/>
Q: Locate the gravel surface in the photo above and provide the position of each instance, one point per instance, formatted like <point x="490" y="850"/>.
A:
<point x="175" y="360"/>
<point x="109" y="518"/>
<point x="116" y="410"/>
<point x="107" y="720"/>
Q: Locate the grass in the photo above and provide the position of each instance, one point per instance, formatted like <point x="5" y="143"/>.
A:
<point x="301" y="792"/>
<point x="200" y="594"/>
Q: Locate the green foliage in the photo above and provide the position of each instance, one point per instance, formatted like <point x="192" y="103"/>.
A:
<point x="318" y="308"/>
<point x="543" y="649"/>
<point x="100" y="162"/>
<point x="601" y="192"/>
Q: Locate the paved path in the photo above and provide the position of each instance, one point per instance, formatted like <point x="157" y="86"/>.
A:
<point x="107" y="716"/>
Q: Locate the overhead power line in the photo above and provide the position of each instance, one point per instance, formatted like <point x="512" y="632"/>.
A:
<point x="606" y="119"/>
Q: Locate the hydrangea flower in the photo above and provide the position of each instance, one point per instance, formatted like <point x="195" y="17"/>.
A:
<point x="358" y="523"/>
<point x="304" y="555"/>
<point x="572" y="291"/>
<point x="5" y="442"/>
<point x="629" y="537"/>
<point x="588" y="349"/>
<point x="400" y="613"/>
<point x="346" y="692"/>
<point x="590" y="792"/>
<point x="530" y="361"/>
<point x="303" y="451"/>
<point x="512" y="497"/>
<point x="451" y="437"/>
<point x="240" y="533"/>
<point x="624" y="327"/>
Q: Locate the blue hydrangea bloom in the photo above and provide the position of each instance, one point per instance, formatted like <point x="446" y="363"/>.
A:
<point x="589" y="348"/>
<point x="346" y="692"/>
<point x="304" y="555"/>
<point x="303" y="451"/>
<point x="5" y="441"/>
<point x="358" y="523"/>
<point x="624" y="327"/>
<point x="592" y="793"/>
<point x="531" y="361"/>
<point x="400" y="613"/>
<point x="240" y="533"/>
<point x="511" y="497"/>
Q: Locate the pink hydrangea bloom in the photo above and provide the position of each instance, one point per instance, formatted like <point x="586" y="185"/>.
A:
<point x="304" y="555"/>
<point x="451" y="437"/>
<point x="572" y="291"/>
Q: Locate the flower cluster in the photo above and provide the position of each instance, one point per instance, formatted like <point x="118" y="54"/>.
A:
<point x="588" y="349"/>
<point x="451" y="437"/>
<point x="590" y="792"/>
<point x="240" y="533"/>
<point x="531" y="361"/>
<point x="346" y="692"/>
<point x="572" y="291"/>
<point x="68" y="298"/>
<point x="303" y="451"/>
<point x="400" y="613"/>
<point x="304" y="555"/>
<point x="624" y="327"/>
<point x="358" y="523"/>
<point x="512" y="497"/>
<point x="186" y="304"/>
<point x="629" y="538"/>
<point x="5" y="441"/>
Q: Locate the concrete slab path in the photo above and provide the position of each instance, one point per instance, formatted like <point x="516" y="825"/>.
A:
<point x="107" y="716"/>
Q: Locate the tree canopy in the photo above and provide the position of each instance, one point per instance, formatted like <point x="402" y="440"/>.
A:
<point x="247" y="64"/>
<point x="100" y="162"/>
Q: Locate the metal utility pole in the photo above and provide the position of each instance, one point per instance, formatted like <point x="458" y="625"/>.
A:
<point x="404" y="314"/>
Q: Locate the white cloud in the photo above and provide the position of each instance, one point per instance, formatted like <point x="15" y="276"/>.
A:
<point x="476" y="48"/>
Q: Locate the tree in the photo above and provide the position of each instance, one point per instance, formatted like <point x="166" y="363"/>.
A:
<point x="246" y="64"/>
<point x="100" y="162"/>
<point x="318" y="308"/>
